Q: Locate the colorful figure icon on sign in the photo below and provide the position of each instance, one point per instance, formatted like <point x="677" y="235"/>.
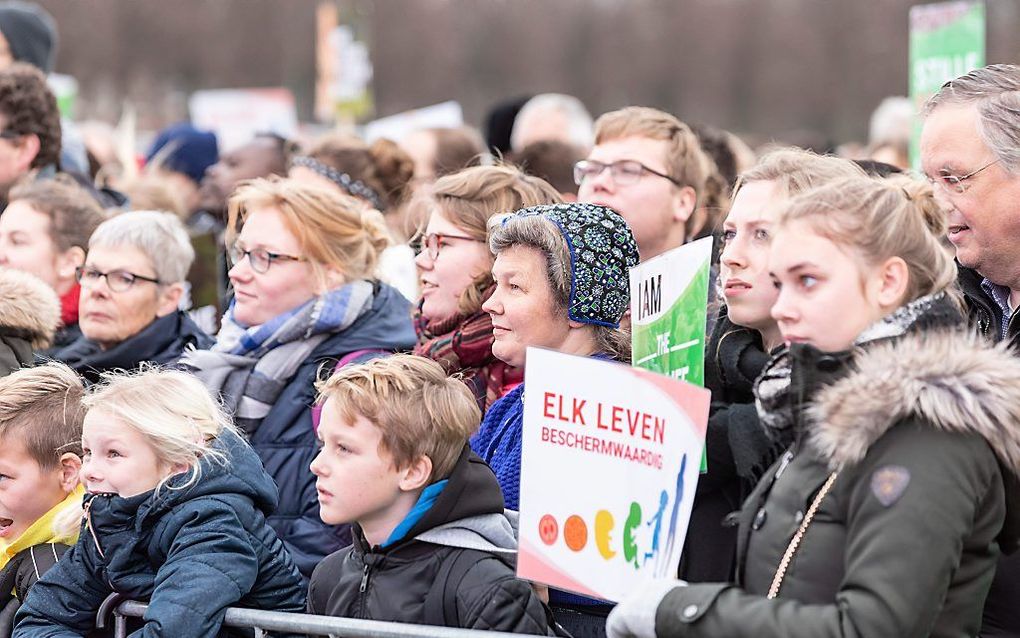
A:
<point x="640" y="540"/>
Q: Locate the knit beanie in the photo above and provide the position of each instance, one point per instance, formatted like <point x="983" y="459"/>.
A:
<point x="30" y="32"/>
<point x="184" y="149"/>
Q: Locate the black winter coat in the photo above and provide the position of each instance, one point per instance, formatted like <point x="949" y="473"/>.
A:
<point x="391" y="584"/>
<point x="162" y="342"/>
<point x="737" y="447"/>
<point x="1002" y="610"/>
<point x="190" y="553"/>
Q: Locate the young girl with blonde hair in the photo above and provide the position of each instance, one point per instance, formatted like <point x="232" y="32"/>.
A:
<point x="175" y="515"/>
<point x="886" y="515"/>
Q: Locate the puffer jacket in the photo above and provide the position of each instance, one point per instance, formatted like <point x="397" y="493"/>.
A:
<point x="29" y="316"/>
<point x="190" y="552"/>
<point x="924" y="434"/>
<point x="393" y="583"/>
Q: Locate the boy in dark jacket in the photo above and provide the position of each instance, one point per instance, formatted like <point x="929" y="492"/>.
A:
<point x="432" y="544"/>
<point x="40" y="499"/>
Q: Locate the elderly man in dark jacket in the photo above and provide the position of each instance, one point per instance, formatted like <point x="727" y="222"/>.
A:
<point x="970" y="149"/>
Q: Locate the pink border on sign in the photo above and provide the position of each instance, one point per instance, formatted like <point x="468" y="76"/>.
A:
<point x="694" y="401"/>
<point x="531" y="566"/>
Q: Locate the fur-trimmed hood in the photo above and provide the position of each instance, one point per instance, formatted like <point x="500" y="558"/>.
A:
<point x="954" y="380"/>
<point x="29" y="309"/>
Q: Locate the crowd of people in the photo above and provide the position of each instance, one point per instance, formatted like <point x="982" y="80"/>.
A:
<point x="290" y="376"/>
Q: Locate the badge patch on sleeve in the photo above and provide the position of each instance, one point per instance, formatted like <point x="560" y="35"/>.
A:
<point x="889" y="482"/>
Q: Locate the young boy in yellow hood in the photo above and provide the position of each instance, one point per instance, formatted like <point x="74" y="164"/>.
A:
<point x="41" y="417"/>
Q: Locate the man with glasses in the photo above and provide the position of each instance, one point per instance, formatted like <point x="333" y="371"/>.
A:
<point x="29" y="126"/>
<point x="970" y="151"/>
<point x="649" y="167"/>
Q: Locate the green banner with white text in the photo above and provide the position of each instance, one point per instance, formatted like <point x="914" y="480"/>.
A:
<point x="947" y="40"/>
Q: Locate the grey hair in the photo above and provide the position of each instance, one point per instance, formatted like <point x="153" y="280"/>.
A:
<point x="891" y="121"/>
<point x="995" y="90"/>
<point x="159" y="236"/>
<point x="580" y="127"/>
<point x="541" y="234"/>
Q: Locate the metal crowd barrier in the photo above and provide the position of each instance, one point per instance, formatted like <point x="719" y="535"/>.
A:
<point x="274" y="621"/>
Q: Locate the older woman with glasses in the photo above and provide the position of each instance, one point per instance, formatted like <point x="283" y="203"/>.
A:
<point x="132" y="283"/>
<point x="306" y="301"/>
<point x="455" y="268"/>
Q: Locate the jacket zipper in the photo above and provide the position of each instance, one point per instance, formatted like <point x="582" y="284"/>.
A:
<point x="362" y="590"/>
<point x="787" y="457"/>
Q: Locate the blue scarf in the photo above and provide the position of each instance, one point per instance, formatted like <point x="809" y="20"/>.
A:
<point x="249" y="367"/>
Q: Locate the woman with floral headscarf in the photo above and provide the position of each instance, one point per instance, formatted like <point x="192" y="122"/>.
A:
<point x="562" y="283"/>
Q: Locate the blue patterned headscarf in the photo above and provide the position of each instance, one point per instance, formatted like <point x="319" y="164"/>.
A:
<point x="602" y="250"/>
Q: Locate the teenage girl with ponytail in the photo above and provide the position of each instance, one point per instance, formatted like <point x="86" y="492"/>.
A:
<point x="888" y="512"/>
<point x="306" y="299"/>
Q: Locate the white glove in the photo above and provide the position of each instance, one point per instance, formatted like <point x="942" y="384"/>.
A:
<point x="634" y="617"/>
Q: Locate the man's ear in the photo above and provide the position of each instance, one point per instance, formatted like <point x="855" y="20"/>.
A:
<point x="417" y="474"/>
<point x="170" y="299"/>
<point x="70" y="469"/>
<point x="26" y="151"/>
<point x="684" y="202"/>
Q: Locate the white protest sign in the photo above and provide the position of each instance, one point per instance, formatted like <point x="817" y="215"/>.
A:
<point x="397" y="127"/>
<point x="236" y="115"/>
<point x="610" y="459"/>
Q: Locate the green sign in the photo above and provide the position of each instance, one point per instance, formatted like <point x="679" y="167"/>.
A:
<point x="947" y="40"/>
<point x="669" y="311"/>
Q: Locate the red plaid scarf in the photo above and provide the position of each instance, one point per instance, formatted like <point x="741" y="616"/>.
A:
<point x="464" y="345"/>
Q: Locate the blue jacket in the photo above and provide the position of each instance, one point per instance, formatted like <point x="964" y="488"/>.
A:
<point x="286" y="441"/>
<point x="190" y="552"/>
<point x="498" y="442"/>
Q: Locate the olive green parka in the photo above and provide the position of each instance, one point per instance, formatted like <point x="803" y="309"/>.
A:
<point x="924" y="432"/>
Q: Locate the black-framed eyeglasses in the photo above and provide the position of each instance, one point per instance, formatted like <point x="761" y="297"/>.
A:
<point x="957" y="183"/>
<point x="116" y="280"/>
<point x="434" y="241"/>
<point x="259" y="259"/>
<point x="624" y="172"/>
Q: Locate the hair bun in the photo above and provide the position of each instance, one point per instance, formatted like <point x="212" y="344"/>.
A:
<point x="394" y="168"/>
<point x="377" y="234"/>
<point x="922" y="197"/>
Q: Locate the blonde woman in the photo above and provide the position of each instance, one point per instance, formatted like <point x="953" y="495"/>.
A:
<point x="175" y="515"/>
<point x="305" y="301"/>
<point x="742" y="340"/>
